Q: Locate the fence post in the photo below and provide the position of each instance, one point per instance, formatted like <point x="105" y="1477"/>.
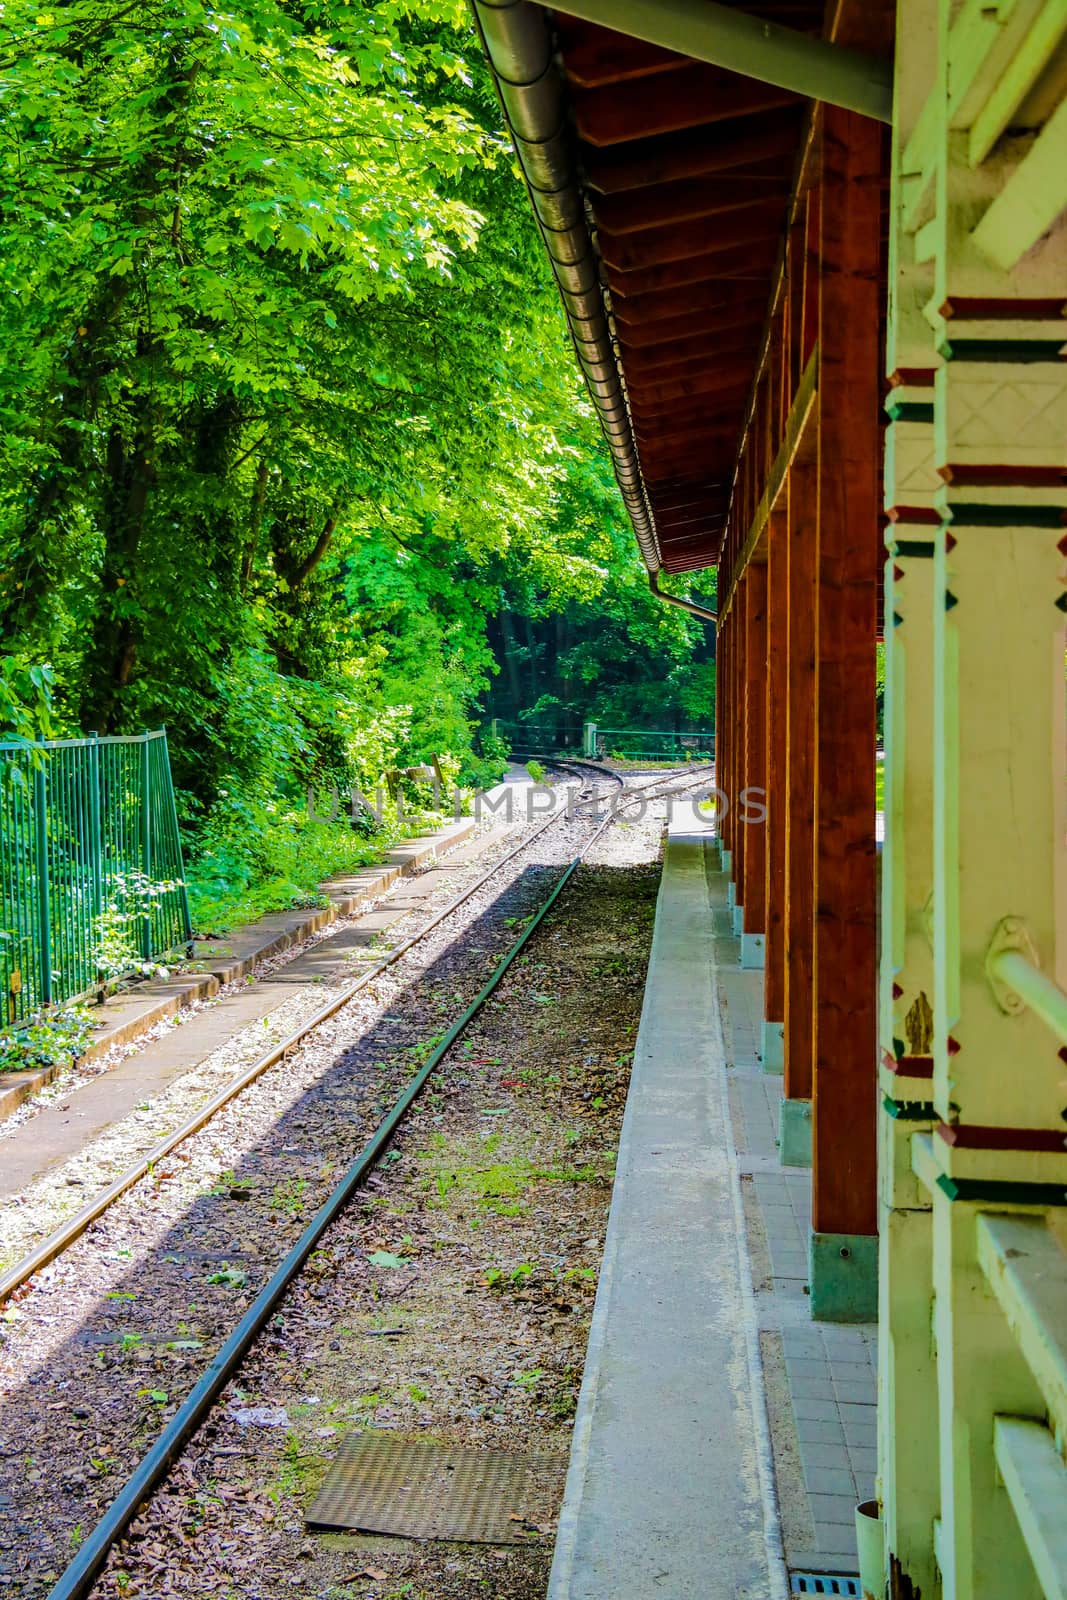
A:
<point x="146" y="847"/>
<point x="44" y="908"/>
<point x="184" y="887"/>
<point x="589" y="739"/>
<point x="96" y="842"/>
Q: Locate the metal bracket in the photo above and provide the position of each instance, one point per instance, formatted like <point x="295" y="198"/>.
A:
<point x="1010" y="934"/>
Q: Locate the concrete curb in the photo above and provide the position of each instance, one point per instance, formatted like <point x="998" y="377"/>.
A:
<point x="128" y="1017"/>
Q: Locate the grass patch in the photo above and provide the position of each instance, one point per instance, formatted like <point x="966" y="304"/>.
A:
<point x="500" y="1186"/>
<point x="256" y="860"/>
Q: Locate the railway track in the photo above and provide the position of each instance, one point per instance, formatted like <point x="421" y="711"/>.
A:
<point x="152" y="1469"/>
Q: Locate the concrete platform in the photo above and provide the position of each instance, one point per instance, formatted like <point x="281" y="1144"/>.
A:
<point x="722" y="1438"/>
<point x="669" y="1492"/>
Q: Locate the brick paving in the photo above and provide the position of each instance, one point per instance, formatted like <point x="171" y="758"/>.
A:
<point x="825" y="1438"/>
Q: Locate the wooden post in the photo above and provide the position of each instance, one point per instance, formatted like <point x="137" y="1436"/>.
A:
<point x="773" y="1042"/>
<point x="740" y="834"/>
<point x="802" y="554"/>
<point x="753" y="810"/>
<point x="724" y="729"/>
<point x="844" y="1238"/>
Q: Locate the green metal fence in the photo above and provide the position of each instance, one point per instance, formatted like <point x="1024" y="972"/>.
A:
<point x="643" y="744"/>
<point x="88" y="831"/>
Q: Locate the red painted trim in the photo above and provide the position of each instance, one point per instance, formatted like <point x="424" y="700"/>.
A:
<point x="909" y="1066"/>
<point x="1005" y="310"/>
<point x="913" y="378"/>
<point x="923" y="514"/>
<point x="1026" y="477"/>
<point x="964" y="1137"/>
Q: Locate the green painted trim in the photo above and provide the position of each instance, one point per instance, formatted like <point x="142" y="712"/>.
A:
<point x="998" y="516"/>
<point x="910" y="410"/>
<point x="1026" y="351"/>
<point x="920" y="548"/>
<point x="844" y="1277"/>
<point x="908" y="1110"/>
<point x="772" y="1046"/>
<point x="1020" y="1194"/>
<point x="794" y="1133"/>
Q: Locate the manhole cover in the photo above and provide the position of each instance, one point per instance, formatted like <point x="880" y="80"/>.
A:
<point x="421" y="1490"/>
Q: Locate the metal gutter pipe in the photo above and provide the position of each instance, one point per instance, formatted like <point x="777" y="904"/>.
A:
<point x="676" y="600"/>
<point x="518" y="46"/>
<point x="764" y="50"/>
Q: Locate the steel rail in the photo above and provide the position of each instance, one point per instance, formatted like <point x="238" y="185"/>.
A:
<point x="77" y="1581"/>
<point x="62" y="1237"/>
<point x="75" y="1226"/>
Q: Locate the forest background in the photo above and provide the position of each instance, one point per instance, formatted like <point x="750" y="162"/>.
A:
<point x="296" y="459"/>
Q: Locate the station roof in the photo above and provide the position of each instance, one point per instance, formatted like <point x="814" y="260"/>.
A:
<point x="662" y="185"/>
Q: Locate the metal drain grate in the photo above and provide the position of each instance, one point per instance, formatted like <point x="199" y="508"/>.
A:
<point x="420" y="1490"/>
<point x="823" y="1583"/>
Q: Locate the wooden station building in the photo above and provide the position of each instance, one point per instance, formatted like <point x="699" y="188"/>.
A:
<point x="815" y="269"/>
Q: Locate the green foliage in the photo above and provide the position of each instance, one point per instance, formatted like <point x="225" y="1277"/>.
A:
<point x="117" y="931"/>
<point x="48" y="1039"/>
<point x="287" y="412"/>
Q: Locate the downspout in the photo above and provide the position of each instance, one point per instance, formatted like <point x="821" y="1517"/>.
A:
<point x="676" y="600"/>
<point x="518" y="46"/>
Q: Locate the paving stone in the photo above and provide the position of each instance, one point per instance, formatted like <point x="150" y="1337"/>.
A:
<point x="856" y="1393"/>
<point x="833" y="1508"/>
<point x="813" y="1409"/>
<point x="851" y="1372"/>
<point x="812" y="1388"/>
<point x="821" y="1432"/>
<point x="830" y="1480"/>
<point x="806" y="1367"/>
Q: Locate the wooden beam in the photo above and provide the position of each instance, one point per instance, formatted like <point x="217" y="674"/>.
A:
<point x="731" y="344"/>
<point x="744" y="308"/>
<point x="690" y="98"/>
<point x="595" y="56"/>
<point x="850" y="424"/>
<point x="797" y="422"/>
<point x="743" y="259"/>
<point x="712" y="418"/>
<point x="697" y="153"/>
<point x="689" y="199"/>
<point x="654" y="393"/>
<point x="640" y="295"/>
<point x="700" y="561"/>
<point x="735" y="222"/>
<point x="686" y="493"/>
<point x="802" y="506"/>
